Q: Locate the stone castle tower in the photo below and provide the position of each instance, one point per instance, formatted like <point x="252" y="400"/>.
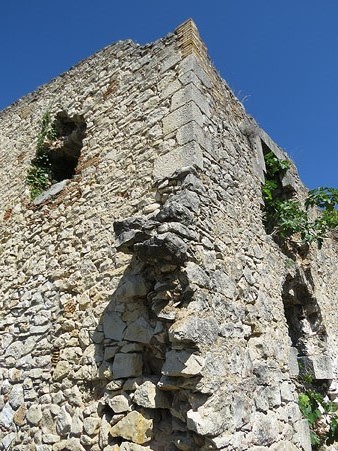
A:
<point x="143" y="304"/>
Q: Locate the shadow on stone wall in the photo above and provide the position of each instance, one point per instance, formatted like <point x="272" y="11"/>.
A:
<point x="151" y="374"/>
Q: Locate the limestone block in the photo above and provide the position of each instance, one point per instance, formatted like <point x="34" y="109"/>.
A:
<point x="149" y="396"/>
<point x="72" y="444"/>
<point x="264" y="428"/>
<point x="61" y="370"/>
<point x="50" y="192"/>
<point x="18" y="349"/>
<point x="139" y="331"/>
<point x="6" y="416"/>
<point x="182" y="363"/>
<point x="50" y="438"/>
<point x="205" y="421"/>
<point x="283" y="446"/>
<point x="303" y="434"/>
<point x="20" y="415"/>
<point x="187" y="94"/>
<point x="194" y="330"/>
<point x="127" y="365"/>
<point x="181" y="116"/>
<point x="189" y="154"/>
<point x="7" y="440"/>
<point x="91" y="425"/>
<point x="118" y="403"/>
<point x="127" y="446"/>
<point x="63" y="422"/>
<point x="134" y="427"/>
<point x="193" y="132"/>
<point x="170" y="61"/>
<point x="34" y="414"/>
<point x="16" y="397"/>
<point x="191" y="63"/>
<point x="320" y="365"/>
<point x="293" y="361"/>
<point x="133" y="286"/>
<point x="77" y="425"/>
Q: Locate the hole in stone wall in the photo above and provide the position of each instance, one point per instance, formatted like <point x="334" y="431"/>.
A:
<point x="305" y="326"/>
<point x="65" y="151"/>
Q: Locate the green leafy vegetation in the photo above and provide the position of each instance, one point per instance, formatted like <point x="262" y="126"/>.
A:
<point x="285" y="216"/>
<point x="320" y="413"/>
<point x="39" y="173"/>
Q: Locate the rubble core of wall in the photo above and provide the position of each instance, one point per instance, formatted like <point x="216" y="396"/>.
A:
<point x="143" y="305"/>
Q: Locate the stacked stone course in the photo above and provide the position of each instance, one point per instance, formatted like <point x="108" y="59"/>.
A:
<point x="143" y="305"/>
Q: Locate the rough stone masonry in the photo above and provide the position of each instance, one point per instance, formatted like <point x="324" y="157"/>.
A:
<point x="143" y="304"/>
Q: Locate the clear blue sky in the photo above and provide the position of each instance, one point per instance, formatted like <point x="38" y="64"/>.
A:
<point x="279" y="57"/>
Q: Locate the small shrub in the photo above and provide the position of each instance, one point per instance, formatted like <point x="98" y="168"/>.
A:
<point x="287" y="217"/>
<point x="321" y="414"/>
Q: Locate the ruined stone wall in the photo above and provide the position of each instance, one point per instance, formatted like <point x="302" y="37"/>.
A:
<point x="144" y="306"/>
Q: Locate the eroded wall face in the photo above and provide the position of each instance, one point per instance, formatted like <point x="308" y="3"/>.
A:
<point x="144" y="306"/>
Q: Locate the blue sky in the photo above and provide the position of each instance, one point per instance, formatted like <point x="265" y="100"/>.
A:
<point x="279" y="57"/>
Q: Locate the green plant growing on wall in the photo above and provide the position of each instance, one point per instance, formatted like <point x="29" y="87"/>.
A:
<point x="287" y="217"/>
<point x="39" y="173"/>
<point x="321" y="414"/>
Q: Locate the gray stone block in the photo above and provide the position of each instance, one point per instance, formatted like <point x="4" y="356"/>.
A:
<point x="190" y="93"/>
<point x="189" y="154"/>
<point x="186" y="113"/>
<point x="127" y="365"/>
<point x="191" y="63"/>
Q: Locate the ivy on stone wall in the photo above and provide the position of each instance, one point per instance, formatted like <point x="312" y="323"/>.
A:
<point x="39" y="173"/>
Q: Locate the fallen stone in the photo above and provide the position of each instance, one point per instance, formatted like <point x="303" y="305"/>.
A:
<point x="134" y="427"/>
<point x="50" y="192"/>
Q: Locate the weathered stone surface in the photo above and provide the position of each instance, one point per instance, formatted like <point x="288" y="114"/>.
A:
<point x="149" y="396"/>
<point x="194" y="330"/>
<point x="127" y="365"/>
<point x="113" y="326"/>
<point x="119" y="403"/>
<point x="134" y="427"/>
<point x="139" y="331"/>
<point x="34" y="414"/>
<point x="91" y="425"/>
<point x="20" y="415"/>
<point x="16" y="397"/>
<point x="6" y="416"/>
<point x="193" y="286"/>
<point x="63" y="422"/>
<point x="50" y="192"/>
<point x="182" y="363"/>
